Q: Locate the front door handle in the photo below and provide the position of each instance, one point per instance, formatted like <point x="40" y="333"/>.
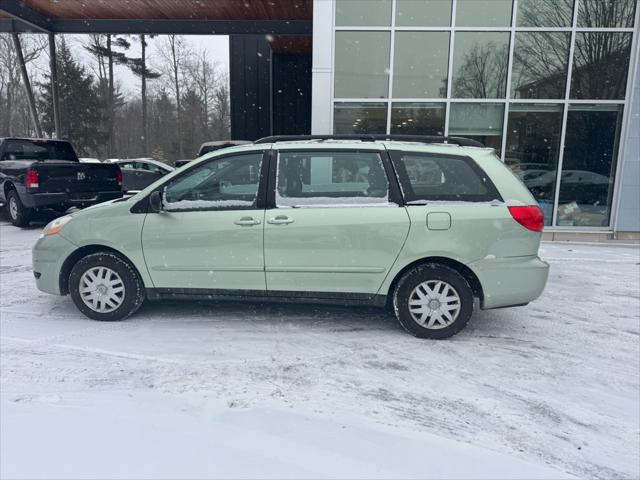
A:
<point x="280" y="220"/>
<point x="247" y="221"/>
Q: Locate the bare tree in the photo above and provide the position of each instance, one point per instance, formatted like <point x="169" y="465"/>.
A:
<point x="174" y="56"/>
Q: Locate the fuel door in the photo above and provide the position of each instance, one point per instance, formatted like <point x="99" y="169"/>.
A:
<point x="438" y="221"/>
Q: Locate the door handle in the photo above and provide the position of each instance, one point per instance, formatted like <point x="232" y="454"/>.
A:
<point x="280" y="220"/>
<point x="247" y="221"/>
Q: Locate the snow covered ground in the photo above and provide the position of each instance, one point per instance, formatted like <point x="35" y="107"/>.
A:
<point x="244" y="390"/>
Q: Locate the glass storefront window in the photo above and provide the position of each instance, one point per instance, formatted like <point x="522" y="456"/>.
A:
<point x="540" y="62"/>
<point x="600" y="65"/>
<point x="480" y="64"/>
<point x="420" y="72"/>
<point x="480" y="121"/>
<point x="418" y="118"/>
<point x="362" y="64"/>
<point x="606" y="13"/>
<point x="423" y="13"/>
<point x="588" y="166"/>
<point x="544" y="13"/>
<point x="350" y="117"/>
<point x="350" y="13"/>
<point x="533" y="144"/>
<point x="483" y="13"/>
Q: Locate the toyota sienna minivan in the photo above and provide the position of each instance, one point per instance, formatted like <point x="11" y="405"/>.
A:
<point x="427" y="227"/>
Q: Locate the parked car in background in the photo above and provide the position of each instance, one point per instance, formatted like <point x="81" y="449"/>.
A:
<point x="40" y="173"/>
<point x="138" y="173"/>
<point x="89" y="160"/>
<point x="181" y="163"/>
<point x="209" y="147"/>
<point x="420" y="226"/>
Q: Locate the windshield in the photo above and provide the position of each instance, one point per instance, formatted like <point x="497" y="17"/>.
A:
<point x="38" y="150"/>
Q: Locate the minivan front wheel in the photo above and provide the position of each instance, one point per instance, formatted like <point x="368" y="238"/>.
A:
<point x="433" y="301"/>
<point x="105" y="287"/>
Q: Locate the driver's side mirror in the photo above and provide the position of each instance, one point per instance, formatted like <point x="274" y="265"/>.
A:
<point x="155" y="202"/>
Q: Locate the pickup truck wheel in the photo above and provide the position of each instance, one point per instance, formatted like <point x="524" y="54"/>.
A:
<point x="433" y="301"/>
<point x="18" y="214"/>
<point x="105" y="287"/>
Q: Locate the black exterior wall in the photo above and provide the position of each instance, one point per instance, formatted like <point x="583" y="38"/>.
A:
<point x="270" y="93"/>
<point x="291" y="108"/>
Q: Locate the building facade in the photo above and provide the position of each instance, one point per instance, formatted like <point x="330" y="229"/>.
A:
<point x="551" y="85"/>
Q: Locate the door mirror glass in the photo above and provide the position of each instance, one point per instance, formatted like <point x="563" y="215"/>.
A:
<point x="155" y="202"/>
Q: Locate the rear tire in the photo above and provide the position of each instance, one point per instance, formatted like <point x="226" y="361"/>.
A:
<point x="433" y="301"/>
<point x="106" y="287"/>
<point x="18" y="214"/>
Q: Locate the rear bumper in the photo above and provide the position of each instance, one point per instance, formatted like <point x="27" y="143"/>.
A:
<point x="511" y="281"/>
<point x="48" y="256"/>
<point x="81" y="199"/>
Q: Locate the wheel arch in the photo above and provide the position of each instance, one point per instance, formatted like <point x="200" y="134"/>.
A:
<point x="82" y="252"/>
<point x="7" y="187"/>
<point x="468" y="274"/>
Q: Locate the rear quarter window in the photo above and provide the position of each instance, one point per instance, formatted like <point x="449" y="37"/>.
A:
<point x="434" y="177"/>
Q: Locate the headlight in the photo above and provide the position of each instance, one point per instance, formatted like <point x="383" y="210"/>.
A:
<point x="56" y="225"/>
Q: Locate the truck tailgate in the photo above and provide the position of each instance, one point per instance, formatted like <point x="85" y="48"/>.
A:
<point x="75" y="177"/>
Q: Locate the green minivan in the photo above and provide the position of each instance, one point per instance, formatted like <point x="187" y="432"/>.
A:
<point x="423" y="226"/>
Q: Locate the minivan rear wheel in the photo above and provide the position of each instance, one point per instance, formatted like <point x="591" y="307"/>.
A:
<point x="433" y="301"/>
<point x="105" y="287"/>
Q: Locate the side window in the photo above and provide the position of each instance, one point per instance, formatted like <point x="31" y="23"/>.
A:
<point x="126" y="166"/>
<point x="317" y="178"/>
<point x="425" y="177"/>
<point x="229" y="182"/>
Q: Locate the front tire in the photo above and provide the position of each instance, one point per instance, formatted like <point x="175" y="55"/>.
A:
<point x="433" y="301"/>
<point x="106" y="287"/>
<point x="18" y="214"/>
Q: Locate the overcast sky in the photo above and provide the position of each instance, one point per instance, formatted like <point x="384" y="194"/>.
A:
<point x="217" y="46"/>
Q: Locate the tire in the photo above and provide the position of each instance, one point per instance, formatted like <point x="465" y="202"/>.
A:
<point x="427" y="286"/>
<point x="106" y="280"/>
<point x="17" y="213"/>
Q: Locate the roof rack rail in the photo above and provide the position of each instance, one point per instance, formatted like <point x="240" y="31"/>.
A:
<point x="460" y="141"/>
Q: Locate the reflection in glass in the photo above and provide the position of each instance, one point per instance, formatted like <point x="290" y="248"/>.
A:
<point x="362" y="64"/>
<point x="533" y="143"/>
<point x="423" y="13"/>
<point x="483" y="13"/>
<point x="360" y="118"/>
<point x="417" y="118"/>
<point x="540" y="64"/>
<point x="420" y="64"/>
<point x="350" y="13"/>
<point x="480" y="121"/>
<point x="545" y="13"/>
<point x="588" y="166"/>
<point x="600" y="65"/>
<point x="480" y="64"/>
<point x="606" y="13"/>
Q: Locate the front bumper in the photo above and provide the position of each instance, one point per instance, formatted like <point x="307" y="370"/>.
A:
<point x="48" y="256"/>
<point x="80" y="199"/>
<point x="511" y="281"/>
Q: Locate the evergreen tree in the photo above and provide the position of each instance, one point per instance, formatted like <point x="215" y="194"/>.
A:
<point x="81" y="114"/>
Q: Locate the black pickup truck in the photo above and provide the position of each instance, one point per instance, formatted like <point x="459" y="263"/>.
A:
<point x="46" y="174"/>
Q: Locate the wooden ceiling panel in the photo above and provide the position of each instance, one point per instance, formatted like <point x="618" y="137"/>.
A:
<point x="175" y="9"/>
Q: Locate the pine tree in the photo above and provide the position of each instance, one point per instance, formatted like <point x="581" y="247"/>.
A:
<point x="79" y="104"/>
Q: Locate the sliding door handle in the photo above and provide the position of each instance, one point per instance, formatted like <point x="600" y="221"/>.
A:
<point x="280" y="220"/>
<point x="247" y="221"/>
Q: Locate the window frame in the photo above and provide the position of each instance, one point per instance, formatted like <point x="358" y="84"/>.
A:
<point x="403" y="178"/>
<point x="394" y="196"/>
<point x="143" y="205"/>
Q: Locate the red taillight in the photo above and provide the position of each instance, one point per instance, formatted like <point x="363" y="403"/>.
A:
<point x="119" y="177"/>
<point x="32" y="180"/>
<point x="530" y="217"/>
